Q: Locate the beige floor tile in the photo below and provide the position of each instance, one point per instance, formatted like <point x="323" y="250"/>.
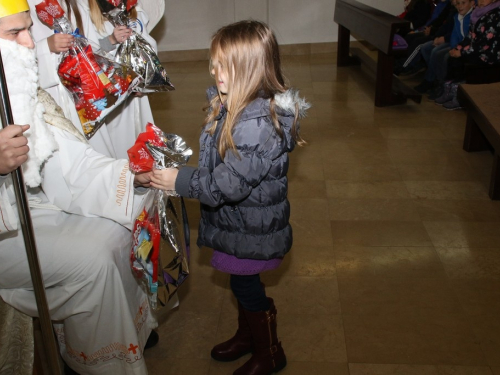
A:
<point x="373" y="209"/>
<point x="306" y="260"/>
<point x="436" y="172"/>
<point x="388" y="262"/>
<point x="379" y="233"/>
<point x="457" y="210"/>
<point x="471" y="263"/>
<point x="311" y="233"/>
<point x="309" y="209"/>
<point x="405" y="297"/>
<point x="463" y="234"/>
<point x="370" y="189"/>
<point x="316" y="368"/>
<point x="162" y="366"/>
<point x="412" y="133"/>
<point x="412" y="339"/>
<point x="303" y="295"/>
<point x="314" y="338"/>
<point x="487" y="330"/>
<point x="447" y="190"/>
<point x="303" y="171"/>
<point x="391" y="369"/>
<point x="356" y="172"/>
<point x="334" y="130"/>
<point x="359" y="151"/>
<point x="478" y="297"/>
<point x="306" y="189"/>
<point x="185" y="335"/>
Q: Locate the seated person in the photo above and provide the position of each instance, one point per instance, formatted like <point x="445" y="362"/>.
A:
<point x="480" y="47"/>
<point x="436" y="53"/>
<point x="82" y="206"/>
<point x="439" y="17"/>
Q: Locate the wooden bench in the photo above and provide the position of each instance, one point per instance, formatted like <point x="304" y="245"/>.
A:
<point x="482" y="129"/>
<point x="377" y="28"/>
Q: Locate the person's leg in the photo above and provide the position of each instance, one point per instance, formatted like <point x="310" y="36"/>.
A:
<point x="249" y="292"/>
<point x="103" y="314"/>
<point x="251" y="296"/>
<point x="260" y="313"/>
<point x="426" y="51"/>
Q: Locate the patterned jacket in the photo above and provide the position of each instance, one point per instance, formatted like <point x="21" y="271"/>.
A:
<point x="481" y="45"/>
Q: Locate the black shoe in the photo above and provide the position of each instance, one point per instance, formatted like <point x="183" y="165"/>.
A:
<point x="436" y="92"/>
<point x="152" y="340"/>
<point x="424" y="86"/>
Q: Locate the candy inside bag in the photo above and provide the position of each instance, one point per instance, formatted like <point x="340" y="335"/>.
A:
<point x="135" y="51"/>
<point x="162" y="265"/>
<point x="97" y="84"/>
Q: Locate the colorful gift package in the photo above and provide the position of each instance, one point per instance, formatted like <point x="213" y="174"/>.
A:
<point x="160" y="250"/>
<point x="135" y="51"/>
<point x="97" y="84"/>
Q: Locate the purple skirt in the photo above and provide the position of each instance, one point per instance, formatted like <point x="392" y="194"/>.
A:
<point x="236" y="266"/>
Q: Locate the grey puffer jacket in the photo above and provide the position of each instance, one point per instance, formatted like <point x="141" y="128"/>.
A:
<point x="244" y="207"/>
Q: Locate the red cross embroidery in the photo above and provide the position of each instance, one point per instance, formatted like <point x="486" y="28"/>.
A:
<point x="133" y="348"/>
<point x="140" y="310"/>
<point x="82" y="354"/>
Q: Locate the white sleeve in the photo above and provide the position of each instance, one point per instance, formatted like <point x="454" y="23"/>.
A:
<point x="8" y="219"/>
<point x="143" y="17"/>
<point x="155" y="9"/>
<point x="82" y="181"/>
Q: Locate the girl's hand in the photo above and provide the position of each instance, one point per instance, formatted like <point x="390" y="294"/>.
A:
<point x="120" y="34"/>
<point x="143" y="179"/>
<point x="60" y="42"/>
<point x="164" y="179"/>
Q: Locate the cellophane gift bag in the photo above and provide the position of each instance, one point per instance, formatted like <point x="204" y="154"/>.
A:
<point x="160" y="250"/>
<point x="97" y="84"/>
<point x="135" y="51"/>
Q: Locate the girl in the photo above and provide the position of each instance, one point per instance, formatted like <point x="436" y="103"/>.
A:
<point x="124" y="123"/>
<point x="241" y="182"/>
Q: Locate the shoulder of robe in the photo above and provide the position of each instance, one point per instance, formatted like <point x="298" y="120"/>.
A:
<point x="54" y="115"/>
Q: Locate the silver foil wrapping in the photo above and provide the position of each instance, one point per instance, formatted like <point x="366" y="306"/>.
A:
<point x="174" y="254"/>
<point x="136" y="52"/>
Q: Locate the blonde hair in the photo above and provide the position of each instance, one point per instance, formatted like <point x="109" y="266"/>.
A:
<point x="249" y="54"/>
<point x="98" y="19"/>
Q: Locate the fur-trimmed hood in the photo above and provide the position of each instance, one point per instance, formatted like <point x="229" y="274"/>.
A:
<point x="286" y="101"/>
<point x="286" y="104"/>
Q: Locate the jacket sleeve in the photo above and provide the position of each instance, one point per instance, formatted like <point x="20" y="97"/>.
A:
<point x="82" y="181"/>
<point x="258" y="145"/>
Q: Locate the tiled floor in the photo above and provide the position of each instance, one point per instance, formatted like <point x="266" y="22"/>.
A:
<point x="395" y="267"/>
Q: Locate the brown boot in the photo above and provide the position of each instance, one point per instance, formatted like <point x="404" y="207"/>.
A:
<point x="237" y="346"/>
<point x="268" y="356"/>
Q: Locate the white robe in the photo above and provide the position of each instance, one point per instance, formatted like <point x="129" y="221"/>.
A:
<point x="102" y="312"/>
<point x="124" y="124"/>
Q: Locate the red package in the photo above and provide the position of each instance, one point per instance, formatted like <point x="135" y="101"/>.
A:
<point x="139" y="156"/>
<point x="48" y="11"/>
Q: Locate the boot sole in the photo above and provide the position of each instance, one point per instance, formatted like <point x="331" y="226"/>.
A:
<point x="230" y="359"/>
<point x="280" y="367"/>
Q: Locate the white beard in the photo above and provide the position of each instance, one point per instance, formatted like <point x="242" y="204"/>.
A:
<point x="21" y="72"/>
